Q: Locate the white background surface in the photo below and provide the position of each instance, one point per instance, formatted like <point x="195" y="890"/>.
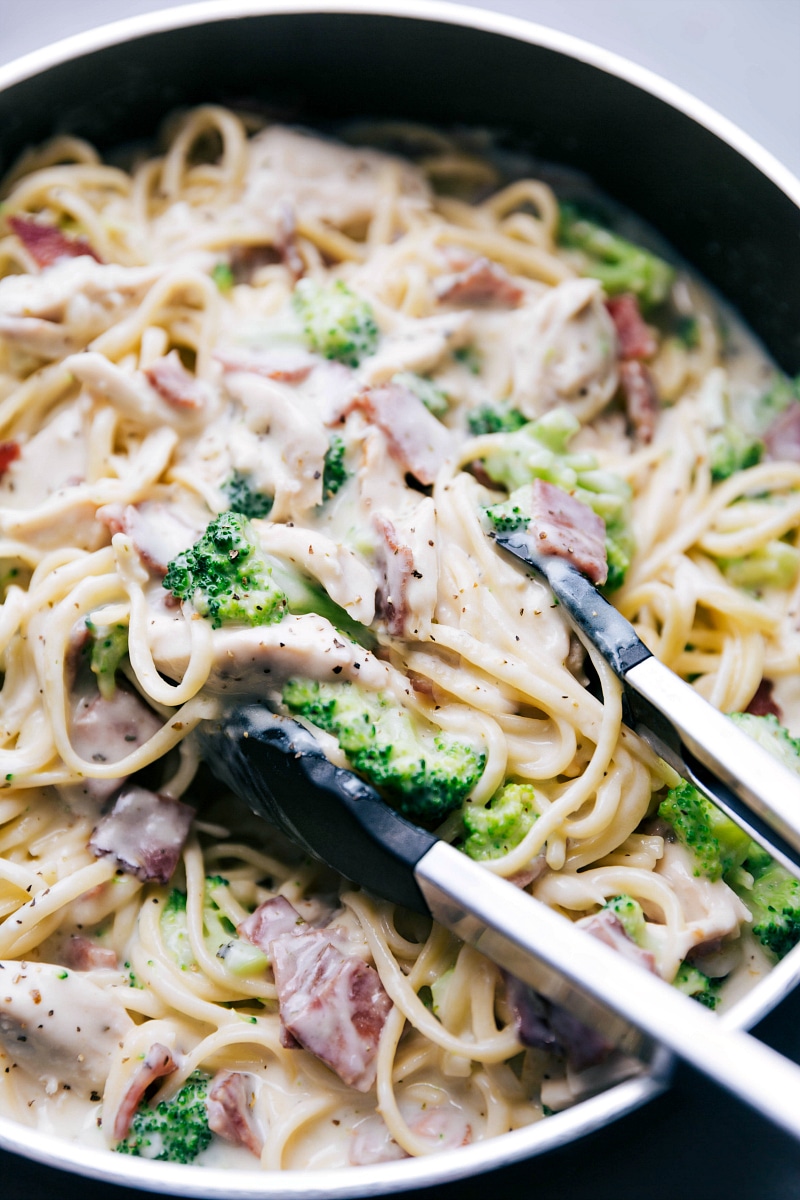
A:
<point x="740" y="56"/>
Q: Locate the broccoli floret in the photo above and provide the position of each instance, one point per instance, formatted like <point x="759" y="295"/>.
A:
<point x="620" y="265"/>
<point x="630" y="915"/>
<point x="434" y="399"/>
<point x="774" y="903"/>
<point x="496" y="829"/>
<point x="773" y="565"/>
<point x="730" y="450"/>
<point x="219" y="934"/>
<point x="334" y="473"/>
<point x="495" y="418"/>
<point x="336" y="322"/>
<point x="109" y="648"/>
<point x="425" y="775"/>
<point x="242" y="498"/>
<point x="687" y="330"/>
<point x="226" y="577"/>
<point x="694" y="983"/>
<point x="717" y="844"/>
<point x="538" y="450"/>
<point x="770" y="734"/>
<point x="176" y="1130"/>
<point x="223" y="277"/>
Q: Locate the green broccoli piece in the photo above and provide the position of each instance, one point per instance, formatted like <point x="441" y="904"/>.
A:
<point x="223" y="277"/>
<point x="495" y="418"/>
<point x="620" y="265"/>
<point x="717" y="844"/>
<point x="539" y="450"/>
<point x="242" y="498"/>
<point x="774" y="903"/>
<point x="694" y="983"/>
<point x="687" y="330"/>
<point x="773" y="565"/>
<point x="219" y="935"/>
<point x="426" y="776"/>
<point x="334" y="473"/>
<point x="176" y="1130"/>
<point x="731" y="450"/>
<point x="630" y="916"/>
<point x="226" y="577"/>
<point x="773" y="736"/>
<point x="109" y="648"/>
<point x="336" y="322"/>
<point x="496" y="829"/>
<point x="434" y="399"/>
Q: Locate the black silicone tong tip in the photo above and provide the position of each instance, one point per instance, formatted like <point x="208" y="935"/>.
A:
<point x="279" y="770"/>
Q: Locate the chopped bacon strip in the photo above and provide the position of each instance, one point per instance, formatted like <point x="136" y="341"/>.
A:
<point x="563" y="526"/>
<point x="782" y="439"/>
<point x="156" y="530"/>
<point x="9" y="453"/>
<point x="282" y="364"/>
<point x="397" y="567"/>
<point x="416" y="438"/>
<point x="635" y="338"/>
<point x="175" y="384"/>
<point x="606" y="926"/>
<point x="46" y="244"/>
<point x="641" y="399"/>
<point x="246" y="260"/>
<point x="334" y="1006"/>
<point x="547" y="1026"/>
<point x="231" y="1097"/>
<point x="157" y="1063"/>
<point x="274" y="918"/>
<point x="82" y="954"/>
<point x="145" y="833"/>
<point x="106" y="730"/>
<point x="480" y="283"/>
<point x="762" y="704"/>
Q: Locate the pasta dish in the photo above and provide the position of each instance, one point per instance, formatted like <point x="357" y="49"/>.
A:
<point x="264" y="397"/>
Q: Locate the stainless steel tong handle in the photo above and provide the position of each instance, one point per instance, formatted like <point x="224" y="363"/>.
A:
<point x="563" y="962"/>
<point x="670" y="715"/>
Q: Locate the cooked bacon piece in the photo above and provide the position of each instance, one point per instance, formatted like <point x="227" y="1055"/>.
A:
<point x="416" y="438"/>
<point x="563" y="526"/>
<point x="246" y="260"/>
<point x="107" y="730"/>
<point x="157" y="1063"/>
<point x="334" y="1006"/>
<point x="145" y="833"/>
<point x="547" y="1026"/>
<point x="606" y="926"/>
<point x="479" y="282"/>
<point x="231" y="1097"/>
<point x="641" y="399"/>
<point x="635" y="338"/>
<point x="175" y="384"/>
<point x="9" y="453"/>
<point x="46" y="244"/>
<point x="282" y="364"/>
<point x="158" y="532"/>
<point x="444" y="1125"/>
<point x="82" y="954"/>
<point x="762" y="704"/>
<point x="397" y="567"/>
<point x="274" y="918"/>
<point x="782" y="439"/>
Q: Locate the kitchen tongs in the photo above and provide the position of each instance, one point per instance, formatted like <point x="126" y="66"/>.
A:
<point x="747" y="782"/>
<point x="279" y="769"/>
